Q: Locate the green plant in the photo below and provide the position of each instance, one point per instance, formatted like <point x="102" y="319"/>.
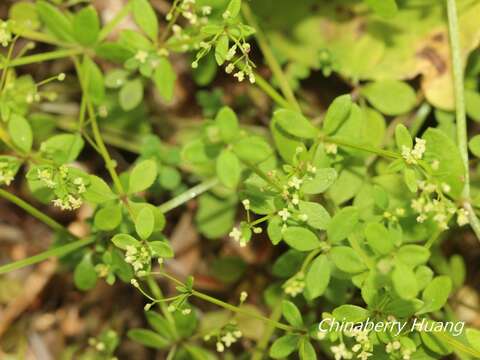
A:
<point x="359" y="199"/>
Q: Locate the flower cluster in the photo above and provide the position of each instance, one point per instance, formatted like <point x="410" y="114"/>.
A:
<point x="225" y="336"/>
<point x="431" y="203"/>
<point x="139" y="257"/>
<point x="411" y="156"/>
<point x="8" y="168"/>
<point x="396" y="346"/>
<point x="68" y="184"/>
<point x="295" y="285"/>
<point x="241" y="234"/>
<point x="5" y="34"/>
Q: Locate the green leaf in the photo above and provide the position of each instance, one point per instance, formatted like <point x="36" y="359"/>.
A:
<point x="86" y="26"/>
<point x="337" y="113"/>
<point x="227" y="123"/>
<point x="342" y="224"/>
<point x="228" y="169"/>
<point x="160" y="324"/>
<point x="347" y="260"/>
<point x="472" y="104"/>
<point x="306" y="351"/>
<point x="291" y="313"/>
<point x="215" y="216"/>
<point x="474" y="145"/>
<point x="145" y="17"/>
<point x="436" y="294"/>
<point x="59" y="24"/>
<point x="131" y="94"/>
<point x="473" y="337"/>
<point x="294" y="123"/>
<point x="85" y="276"/>
<point x="410" y="177"/>
<point x="385" y="8"/>
<point x="318" y="217"/>
<point x="274" y="229"/>
<point x="142" y="176"/>
<point x="95" y="83"/>
<point x="63" y="148"/>
<point x="404" y="282"/>
<point x="253" y="149"/>
<point x="413" y="255"/>
<point x="379" y="238"/>
<point x="157" y="214"/>
<point x="161" y="249"/>
<point x="284" y="346"/>
<point x="144" y="223"/>
<point x="165" y="78"/>
<point x="323" y="179"/>
<point x="403" y="137"/>
<point x="98" y="191"/>
<point x="300" y="238"/>
<point x="20" y="132"/>
<point x="443" y="149"/>
<point x="317" y="277"/>
<point x="123" y="240"/>
<point x="234" y="7"/>
<point x="148" y="338"/>
<point x="24" y="14"/>
<point x="108" y="218"/>
<point x="221" y="49"/>
<point x="391" y="97"/>
<point x="350" y="313"/>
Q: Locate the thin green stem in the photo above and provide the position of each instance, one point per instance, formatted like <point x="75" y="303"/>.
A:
<point x="462" y="136"/>
<point x="366" y="148"/>
<point x="270" y="58"/>
<point x="243" y="311"/>
<point x="188" y="195"/>
<point x="262" y="344"/>
<point x="32" y="211"/>
<point x="270" y="91"/>
<point x="157" y="292"/>
<point x="108" y="28"/>
<point x="52" y="55"/>
<point x="57" y="252"/>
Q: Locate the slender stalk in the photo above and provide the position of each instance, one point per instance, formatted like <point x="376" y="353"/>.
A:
<point x="188" y="195"/>
<point x="32" y="59"/>
<point x="457" y="67"/>
<point x="108" y="28"/>
<point x="262" y="344"/>
<point x="270" y="91"/>
<point x="57" y="252"/>
<point x="243" y="311"/>
<point x="32" y="211"/>
<point x="366" y="148"/>
<point x="270" y="58"/>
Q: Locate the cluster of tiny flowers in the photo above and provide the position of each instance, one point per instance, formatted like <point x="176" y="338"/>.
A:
<point x="430" y="203"/>
<point x="411" y="156"/>
<point x="295" y="285"/>
<point x="7" y="173"/>
<point x="363" y="347"/>
<point x="395" y="346"/>
<point x="139" y="257"/>
<point x="237" y="235"/>
<point x="69" y="187"/>
<point x="5" y="34"/>
<point x="226" y="336"/>
<point x="341" y="352"/>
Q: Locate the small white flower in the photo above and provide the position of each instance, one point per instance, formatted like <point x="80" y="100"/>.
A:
<point x="295" y="199"/>
<point x="206" y="10"/>
<point x="284" y="214"/>
<point x="303" y="217"/>
<point x="141" y="56"/>
<point x="331" y="148"/>
<point x="243" y="296"/>
<point x="246" y="204"/>
<point x="229" y="339"/>
<point x="226" y="15"/>
<point x="186" y="311"/>
<point x="462" y="217"/>
<point x="251" y="78"/>
<point x="220" y="347"/>
<point x="295" y="183"/>
<point x="446" y="188"/>
<point x="229" y="68"/>
<point x="235" y="234"/>
<point x="364" y="355"/>
<point x="240" y="76"/>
